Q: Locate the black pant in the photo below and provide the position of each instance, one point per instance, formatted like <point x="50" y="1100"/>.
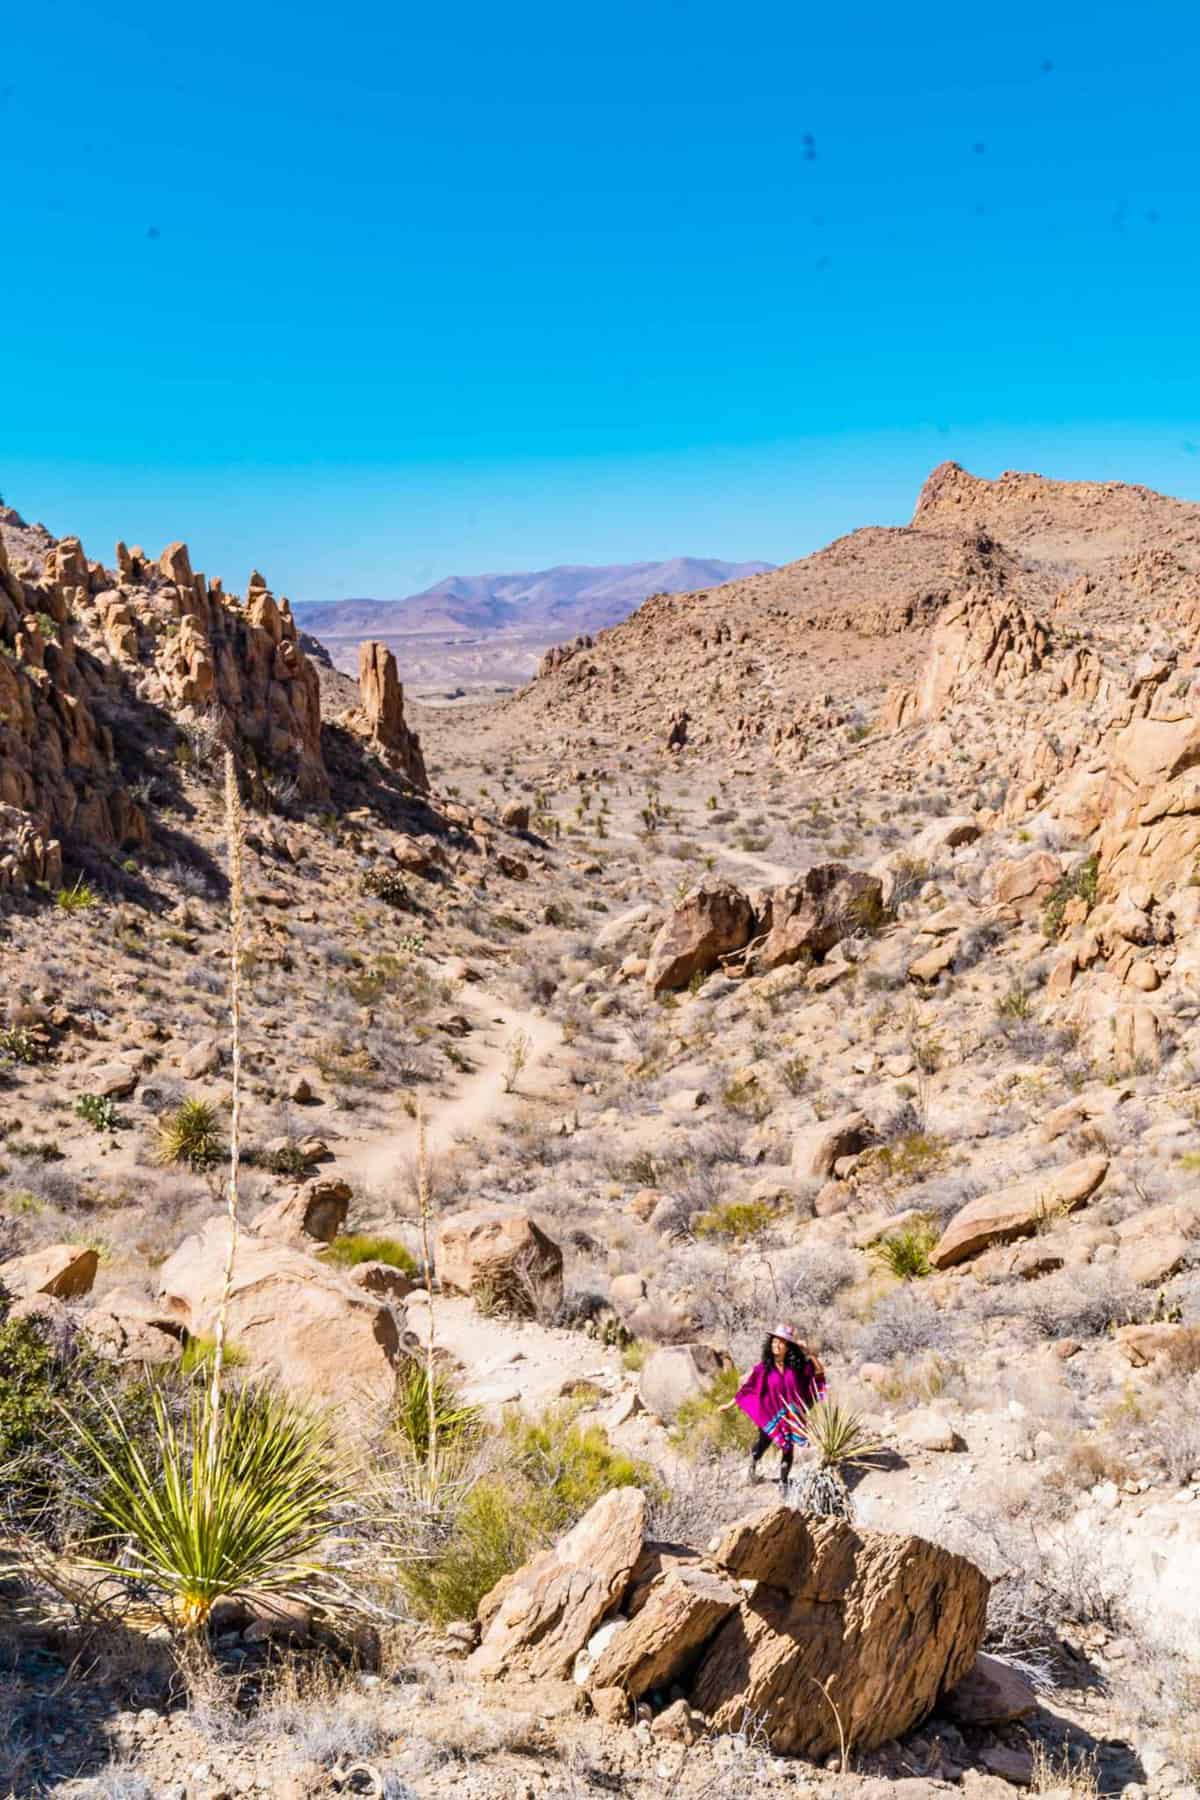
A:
<point x="765" y="1440"/>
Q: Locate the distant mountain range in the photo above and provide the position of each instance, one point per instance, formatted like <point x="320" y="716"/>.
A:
<point x="489" y="630"/>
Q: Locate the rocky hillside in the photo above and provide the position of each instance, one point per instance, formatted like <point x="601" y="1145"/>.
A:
<point x="793" y="663"/>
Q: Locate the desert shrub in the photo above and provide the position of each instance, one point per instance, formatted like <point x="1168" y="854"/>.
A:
<point x="793" y="1072"/>
<point x="1081" y="883"/>
<point x="359" y="1247"/>
<point x="198" y="1352"/>
<point x="191" y="1134"/>
<point x="903" y="1325"/>
<point x="386" y="885"/>
<point x="905" y="1253"/>
<point x="41" y="1372"/>
<point x="98" y="1111"/>
<point x="78" y="898"/>
<point x="541" y="1476"/>
<point x="1078" y="1303"/>
<point x="453" y="1420"/>
<point x="736" y="1219"/>
<point x="23" y="1045"/>
<point x="840" y="1440"/>
<point x="912" y="1157"/>
<point x="704" y="1429"/>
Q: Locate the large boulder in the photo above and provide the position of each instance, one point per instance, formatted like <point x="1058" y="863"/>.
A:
<point x="64" y="1271"/>
<point x="708" y="924"/>
<point x="803" y="920"/>
<point x="678" y="1372"/>
<point x="498" y="1256"/>
<point x="548" y="1609"/>
<point x="317" y="1212"/>
<point x="816" y="1148"/>
<point x="293" y="1318"/>
<point x="885" y="1623"/>
<point x="1017" y="1211"/>
<point x="680" y="1613"/>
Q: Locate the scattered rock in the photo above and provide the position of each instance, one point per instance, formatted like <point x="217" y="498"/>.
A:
<point x="499" y="1256"/>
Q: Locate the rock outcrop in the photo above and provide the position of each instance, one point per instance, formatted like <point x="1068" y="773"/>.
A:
<point x="382" y="699"/>
<point x="499" y="1256"/>
<point x="1017" y="1211"/>
<point x="292" y="1317"/>
<point x="539" y="1619"/>
<point x="709" y="924"/>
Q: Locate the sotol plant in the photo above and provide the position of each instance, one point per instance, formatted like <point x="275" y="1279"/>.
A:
<point x="841" y="1441"/>
<point x="240" y="1494"/>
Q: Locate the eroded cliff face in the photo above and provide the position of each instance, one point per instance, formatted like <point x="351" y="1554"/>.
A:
<point x="81" y="645"/>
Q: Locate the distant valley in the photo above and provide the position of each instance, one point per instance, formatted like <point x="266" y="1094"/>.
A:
<point x="489" y="631"/>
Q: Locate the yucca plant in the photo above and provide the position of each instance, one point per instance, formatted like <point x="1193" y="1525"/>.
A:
<point x="906" y="1252"/>
<point x="210" y="1514"/>
<point x="191" y="1134"/>
<point x="841" y="1440"/>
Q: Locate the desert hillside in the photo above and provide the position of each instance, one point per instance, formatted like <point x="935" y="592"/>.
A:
<point x="820" y="951"/>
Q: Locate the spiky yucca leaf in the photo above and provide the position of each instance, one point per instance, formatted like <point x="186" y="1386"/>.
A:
<point x="423" y="1421"/>
<point x="204" y="1514"/>
<point x="191" y="1134"/>
<point x="839" y="1436"/>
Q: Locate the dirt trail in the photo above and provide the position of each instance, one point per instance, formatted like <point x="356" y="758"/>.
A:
<point x="477" y="1096"/>
<point x="773" y="873"/>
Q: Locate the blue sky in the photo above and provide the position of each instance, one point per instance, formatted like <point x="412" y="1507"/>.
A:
<point x="369" y="295"/>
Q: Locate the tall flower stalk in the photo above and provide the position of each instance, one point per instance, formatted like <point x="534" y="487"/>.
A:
<point x="425" y="1206"/>
<point x="234" y="839"/>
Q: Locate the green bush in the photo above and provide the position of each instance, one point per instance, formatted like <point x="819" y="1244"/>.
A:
<point x="191" y="1134"/>
<point x="39" y="1492"/>
<point x="22" y="1044"/>
<point x="702" y="1429"/>
<point x="198" y="1353"/>
<point x="736" y="1219"/>
<point x="79" y="898"/>
<point x="544" y="1476"/>
<point x="906" y="1252"/>
<point x="454" y="1420"/>
<point x="360" y="1247"/>
<point x="386" y="885"/>
<point x="98" y="1111"/>
<point x="1079" y="883"/>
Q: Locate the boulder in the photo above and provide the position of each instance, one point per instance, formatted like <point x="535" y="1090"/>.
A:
<point x="1017" y="1211"/>
<point x="816" y="1148"/>
<point x="64" y="1271"/>
<point x="888" y="1623"/>
<point x="678" y="1372"/>
<point x="292" y="1317"/>
<point x="804" y="919"/>
<point x="515" y="816"/>
<point x="678" y="1616"/>
<point x="992" y="1693"/>
<point x="317" y="1211"/>
<point x="127" y="1327"/>
<point x="499" y="1256"/>
<point x="927" y="968"/>
<point x="549" y="1609"/>
<point x="708" y="924"/>
<point x="381" y="1278"/>
<point x="1028" y="880"/>
<point x="1138" y="1344"/>
<point x="113" y="1081"/>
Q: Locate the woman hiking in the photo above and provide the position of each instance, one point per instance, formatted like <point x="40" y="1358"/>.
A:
<point x="777" y="1394"/>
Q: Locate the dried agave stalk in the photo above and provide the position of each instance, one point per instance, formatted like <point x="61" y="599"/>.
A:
<point x="234" y="838"/>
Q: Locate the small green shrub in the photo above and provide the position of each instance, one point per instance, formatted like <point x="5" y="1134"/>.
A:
<point x="23" y="1045"/>
<point x="1016" y="1004"/>
<point x="793" y="1072"/>
<point x="1080" y="883"/>
<point x="735" y="1219"/>
<point x="79" y="898"/>
<point x="198" y="1353"/>
<point x="289" y="1159"/>
<point x="98" y="1111"/>
<point x="906" y="1252"/>
<point x="703" y="1429"/>
<point x="360" y="1247"/>
<point x="910" y="1158"/>
<point x="191" y="1134"/>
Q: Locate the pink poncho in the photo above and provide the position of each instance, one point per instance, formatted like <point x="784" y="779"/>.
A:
<point x="776" y="1400"/>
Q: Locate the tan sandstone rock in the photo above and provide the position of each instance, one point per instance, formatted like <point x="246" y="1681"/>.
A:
<point x="708" y="924"/>
<point x="498" y="1255"/>
<point x="63" y="1271"/>
<point x="1017" y="1211"/>
<point x="549" y="1609"/>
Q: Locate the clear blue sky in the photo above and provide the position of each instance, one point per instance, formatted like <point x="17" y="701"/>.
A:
<point x="370" y="294"/>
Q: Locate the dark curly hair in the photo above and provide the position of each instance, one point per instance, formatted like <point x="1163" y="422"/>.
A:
<point x="794" y="1357"/>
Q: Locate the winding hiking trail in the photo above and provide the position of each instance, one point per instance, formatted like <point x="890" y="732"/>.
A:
<point x="476" y="1098"/>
